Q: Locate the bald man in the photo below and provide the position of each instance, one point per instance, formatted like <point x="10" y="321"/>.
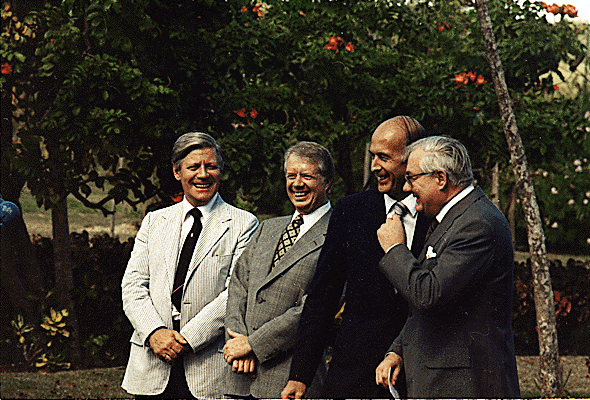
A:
<point x="374" y="313"/>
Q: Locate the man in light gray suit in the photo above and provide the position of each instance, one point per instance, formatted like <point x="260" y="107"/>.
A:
<point x="457" y="341"/>
<point x="175" y="284"/>
<point x="266" y="291"/>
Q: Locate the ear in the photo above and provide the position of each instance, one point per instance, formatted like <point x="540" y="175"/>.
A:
<point x="442" y="179"/>
<point x="176" y="172"/>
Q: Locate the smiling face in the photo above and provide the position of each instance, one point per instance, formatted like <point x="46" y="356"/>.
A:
<point x="428" y="189"/>
<point x="200" y="176"/>
<point x="387" y="148"/>
<point x="305" y="186"/>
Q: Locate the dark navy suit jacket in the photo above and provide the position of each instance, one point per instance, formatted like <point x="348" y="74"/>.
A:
<point x="373" y="314"/>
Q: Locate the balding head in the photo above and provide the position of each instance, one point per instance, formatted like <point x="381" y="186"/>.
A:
<point x="388" y="145"/>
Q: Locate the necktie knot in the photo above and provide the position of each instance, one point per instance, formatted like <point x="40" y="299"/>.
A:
<point x="400" y="209"/>
<point x="196" y="213"/>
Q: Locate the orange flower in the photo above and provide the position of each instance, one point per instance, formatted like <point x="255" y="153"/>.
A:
<point x="260" y="14"/>
<point x="244" y="9"/>
<point x="349" y="47"/>
<point x="570" y="10"/>
<point x="330" y="47"/>
<point x="302" y="14"/>
<point x="554" y="9"/>
<point x="241" y="113"/>
<point x="6" y="69"/>
<point x="471" y="75"/>
<point x="257" y="6"/>
<point x="476" y="108"/>
<point x="555" y="87"/>
<point x="481" y="80"/>
<point x="461" y="79"/>
<point x="333" y="41"/>
<point x="253" y="113"/>
<point x="177" y="197"/>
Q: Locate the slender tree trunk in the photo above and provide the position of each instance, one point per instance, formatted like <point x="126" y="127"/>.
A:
<point x="549" y="381"/>
<point x="64" y="277"/>
<point x="367" y="167"/>
<point x="496" y="185"/>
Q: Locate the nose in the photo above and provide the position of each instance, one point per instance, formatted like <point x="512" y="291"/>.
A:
<point x="202" y="172"/>
<point x="375" y="166"/>
<point x="298" y="181"/>
<point x="407" y="187"/>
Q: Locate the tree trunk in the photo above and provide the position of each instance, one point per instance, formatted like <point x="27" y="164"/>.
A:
<point x="367" y="167"/>
<point x="550" y="381"/>
<point x="496" y="185"/>
<point x="64" y="278"/>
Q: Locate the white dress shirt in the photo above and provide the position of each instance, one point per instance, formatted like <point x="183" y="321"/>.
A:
<point x="409" y="218"/>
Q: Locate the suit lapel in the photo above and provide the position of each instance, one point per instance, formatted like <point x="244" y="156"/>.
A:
<point x="456" y="211"/>
<point x="310" y="241"/>
<point x="171" y="243"/>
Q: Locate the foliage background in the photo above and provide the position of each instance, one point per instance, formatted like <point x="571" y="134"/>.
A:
<point x="94" y="92"/>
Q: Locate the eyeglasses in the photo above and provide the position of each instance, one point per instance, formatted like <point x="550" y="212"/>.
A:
<point x="411" y="178"/>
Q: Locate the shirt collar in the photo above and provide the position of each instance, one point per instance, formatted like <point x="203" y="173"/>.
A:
<point x="314" y="216"/>
<point x="205" y="210"/>
<point x="409" y="202"/>
<point x="458" y="197"/>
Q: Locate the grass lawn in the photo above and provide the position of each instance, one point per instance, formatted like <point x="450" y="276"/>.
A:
<point x="106" y="382"/>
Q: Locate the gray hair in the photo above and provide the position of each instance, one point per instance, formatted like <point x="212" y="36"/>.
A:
<point x="444" y="154"/>
<point x="192" y="141"/>
<point x="316" y="153"/>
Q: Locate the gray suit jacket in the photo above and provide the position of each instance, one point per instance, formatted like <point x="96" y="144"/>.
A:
<point x="457" y="341"/>
<point x="266" y="307"/>
<point x="147" y="287"/>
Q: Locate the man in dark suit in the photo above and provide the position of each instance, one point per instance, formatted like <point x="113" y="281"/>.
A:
<point x="373" y="313"/>
<point x="267" y="288"/>
<point x="457" y="341"/>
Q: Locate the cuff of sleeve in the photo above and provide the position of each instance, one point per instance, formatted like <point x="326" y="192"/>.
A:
<point x="391" y="247"/>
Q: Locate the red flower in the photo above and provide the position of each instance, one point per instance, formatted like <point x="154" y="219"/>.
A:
<point x="476" y="108"/>
<point x="257" y="6"/>
<point x="570" y="10"/>
<point x="260" y="14"/>
<point x="302" y="14"/>
<point x="481" y="80"/>
<point x="244" y="9"/>
<point x="462" y="79"/>
<point x="555" y="87"/>
<point x="241" y="113"/>
<point x="333" y="41"/>
<point x="177" y="197"/>
<point x="253" y="113"/>
<point x="6" y="69"/>
<point x="471" y="75"/>
<point x="349" y="47"/>
<point x="554" y="9"/>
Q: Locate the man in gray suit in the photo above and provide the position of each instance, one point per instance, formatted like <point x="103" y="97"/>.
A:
<point x="174" y="287"/>
<point x="457" y="341"/>
<point x="266" y="291"/>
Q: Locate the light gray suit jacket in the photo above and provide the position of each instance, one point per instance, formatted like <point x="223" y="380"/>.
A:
<point x="266" y="307"/>
<point x="457" y="341"/>
<point x="147" y="287"/>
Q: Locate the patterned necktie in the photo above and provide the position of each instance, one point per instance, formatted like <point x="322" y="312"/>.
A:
<point x="288" y="238"/>
<point x="431" y="229"/>
<point x="185" y="257"/>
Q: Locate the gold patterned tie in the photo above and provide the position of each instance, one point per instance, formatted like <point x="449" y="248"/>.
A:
<point x="288" y="238"/>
